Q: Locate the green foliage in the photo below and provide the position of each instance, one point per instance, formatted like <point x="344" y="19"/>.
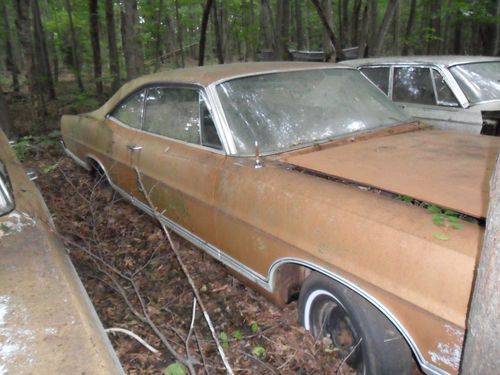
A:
<point x="445" y="218"/>
<point x="237" y="335"/>
<point x="258" y="351"/>
<point x="21" y="148"/>
<point x="224" y="339"/>
<point x="254" y="327"/>
<point x="175" y="368"/>
<point x="49" y="168"/>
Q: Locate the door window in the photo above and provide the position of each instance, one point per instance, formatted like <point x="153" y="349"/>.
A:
<point x="209" y="135"/>
<point x="129" y="111"/>
<point x="413" y="85"/>
<point x="379" y="76"/>
<point x="444" y="95"/>
<point x="173" y="113"/>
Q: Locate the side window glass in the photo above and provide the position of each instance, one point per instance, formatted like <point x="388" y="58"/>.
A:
<point x="413" y="85"/>
<point x="209" y="136"/>
<point x="173" y="113"/>
<point x="130" y="111"/>
<point x="379" y="76"/>
<point x="444" y="95"/>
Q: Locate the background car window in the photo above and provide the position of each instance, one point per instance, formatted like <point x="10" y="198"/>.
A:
<point x="444" y="95"/>
<point x="379" y="76"/>
<point x="413" y="85"/>
<point x="173" y="113"/>
<point x="130" y="111"/>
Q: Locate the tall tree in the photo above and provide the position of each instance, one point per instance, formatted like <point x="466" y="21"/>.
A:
<point x="344" y="23"/>
<point x="482" y="345"/>
<point x="397" y="29"/>
<point x="131" y="41"/>
<point x="10" y="61"/>
<point x="23" y="26"/>
<point x="218" y="38"/>
<point x="96" y="48"/>
<point x="434" y="28"/>
<point x="337" y="51"/>
<point x="407" y="48"/>
<point x="74" y="45"/>
<point x="386" y="22"/>
<point x="299" y="28"/>
<point x="42" y="63"/>
<point x="4" y="116"/>
<point x="356" y="11"/>
<point x="158" y="32"/>
<point x="114" y="65"/>
<point x="203" y="32"/>
<point x="283" y="28"/>
<point x="267" y="33"/>
<point x="180" y="34"/>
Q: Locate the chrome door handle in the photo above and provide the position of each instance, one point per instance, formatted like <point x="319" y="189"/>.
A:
<point x="134" y="147"/>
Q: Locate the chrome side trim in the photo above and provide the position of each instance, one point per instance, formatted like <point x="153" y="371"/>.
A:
<point x="78" y="161"/>
<point x="426" y="366"/>
<point x="262" y="281"/>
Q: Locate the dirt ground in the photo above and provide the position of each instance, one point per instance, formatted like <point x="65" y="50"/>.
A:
<point x="105" y="234"/>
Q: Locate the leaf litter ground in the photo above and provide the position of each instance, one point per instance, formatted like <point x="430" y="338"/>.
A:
<point x="258" y="336"/>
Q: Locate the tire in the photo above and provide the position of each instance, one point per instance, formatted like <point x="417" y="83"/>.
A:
<point x="357" y="329"/>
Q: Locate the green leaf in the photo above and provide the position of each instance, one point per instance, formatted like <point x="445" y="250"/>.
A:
<point x="438" y="219"/>
<point x="49" y="168"/>
<point x="434" y="208"/>
<point x="175" y="369"/>
<point x="223" y="337"/>
<point x="254" y="327"/>
<point x="453" y="219"/>
<point x="450" y="213"/>
<point x="237" y="335"/>
<point x="441" y="236"/>
<point x="456" y="226"/>
<point x="258" y="351"/>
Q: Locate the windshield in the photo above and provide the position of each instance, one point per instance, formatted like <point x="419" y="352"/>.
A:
<point x="283" y="111"/>
<point x="480" y="82"/>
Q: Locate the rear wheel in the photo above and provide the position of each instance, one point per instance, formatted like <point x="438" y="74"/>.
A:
<point x="361" y="335"/>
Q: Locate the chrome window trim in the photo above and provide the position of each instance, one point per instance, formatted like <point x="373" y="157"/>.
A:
<point x="221" y="120"/>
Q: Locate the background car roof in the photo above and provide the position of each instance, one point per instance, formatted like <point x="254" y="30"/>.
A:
<point x="206" y="75"/>
<point x="444" y="60"/>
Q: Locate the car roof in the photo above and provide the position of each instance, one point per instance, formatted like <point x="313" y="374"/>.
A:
<point x="443" y="60"/>
<point x="206" y="75"/>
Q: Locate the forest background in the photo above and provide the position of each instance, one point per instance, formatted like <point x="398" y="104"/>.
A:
<point x="97" y="45"/>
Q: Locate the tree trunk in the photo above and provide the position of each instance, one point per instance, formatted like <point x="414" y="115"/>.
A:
<point x="52" y="44"/>
<point x="386" y="22"/>
<point x="344" y="26"/>
<point x="299" y="29"/>
<point x="218" y="38"/>
<point x="158" y="42"/>
<point x="363" y="39"/>
<point x="329" y="30"/>
<point x="171" y="39"/>
<point x="397" y="29"/>
<point x="356" y="10"/>
<point x="41" y="51"/>
<point x="4" y="116"/>
<point x="407" y="48"/>
<point x="74" y="47"/>
<point x="482" y="345"/>
<point x="373" y="29"/>
<point x="203" y="32"/>
<point x="132" y="45"/>
<point x="283" y="28"/>
<point x="23" y="26"/>
<point x="114" y="65"/>
<point x="10" y="62"/>
<point x="434" y="44"/>
<point x="266" y="26"/>
<point x="496" y="50"/>
<point x="179" y="31"/>
<point x="329" y="49"/>
<point x="96" y="48"/>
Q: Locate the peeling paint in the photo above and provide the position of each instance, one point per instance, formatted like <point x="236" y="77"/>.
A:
<point x="449" y="353"/>
<point x="15" y="222"/>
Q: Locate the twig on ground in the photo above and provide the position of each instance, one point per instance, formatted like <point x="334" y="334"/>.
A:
<point x="132" y="334"/>
<point x="339" y="369"/>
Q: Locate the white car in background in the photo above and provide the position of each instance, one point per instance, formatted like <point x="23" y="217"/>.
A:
<point x="459" y="93"/>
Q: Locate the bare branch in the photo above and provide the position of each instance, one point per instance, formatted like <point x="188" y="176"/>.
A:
<point x="132" y="334"/>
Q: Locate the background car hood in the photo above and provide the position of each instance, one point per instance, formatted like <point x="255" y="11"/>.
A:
<point x="451" y="170"/>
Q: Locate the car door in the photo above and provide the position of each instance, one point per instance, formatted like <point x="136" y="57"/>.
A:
<point x="424" y="93"/>
<point x="125" y="123"/>
<point x="179" y="157"/>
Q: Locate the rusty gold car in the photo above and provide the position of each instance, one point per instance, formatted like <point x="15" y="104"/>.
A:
<point x="305" y="180"/>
